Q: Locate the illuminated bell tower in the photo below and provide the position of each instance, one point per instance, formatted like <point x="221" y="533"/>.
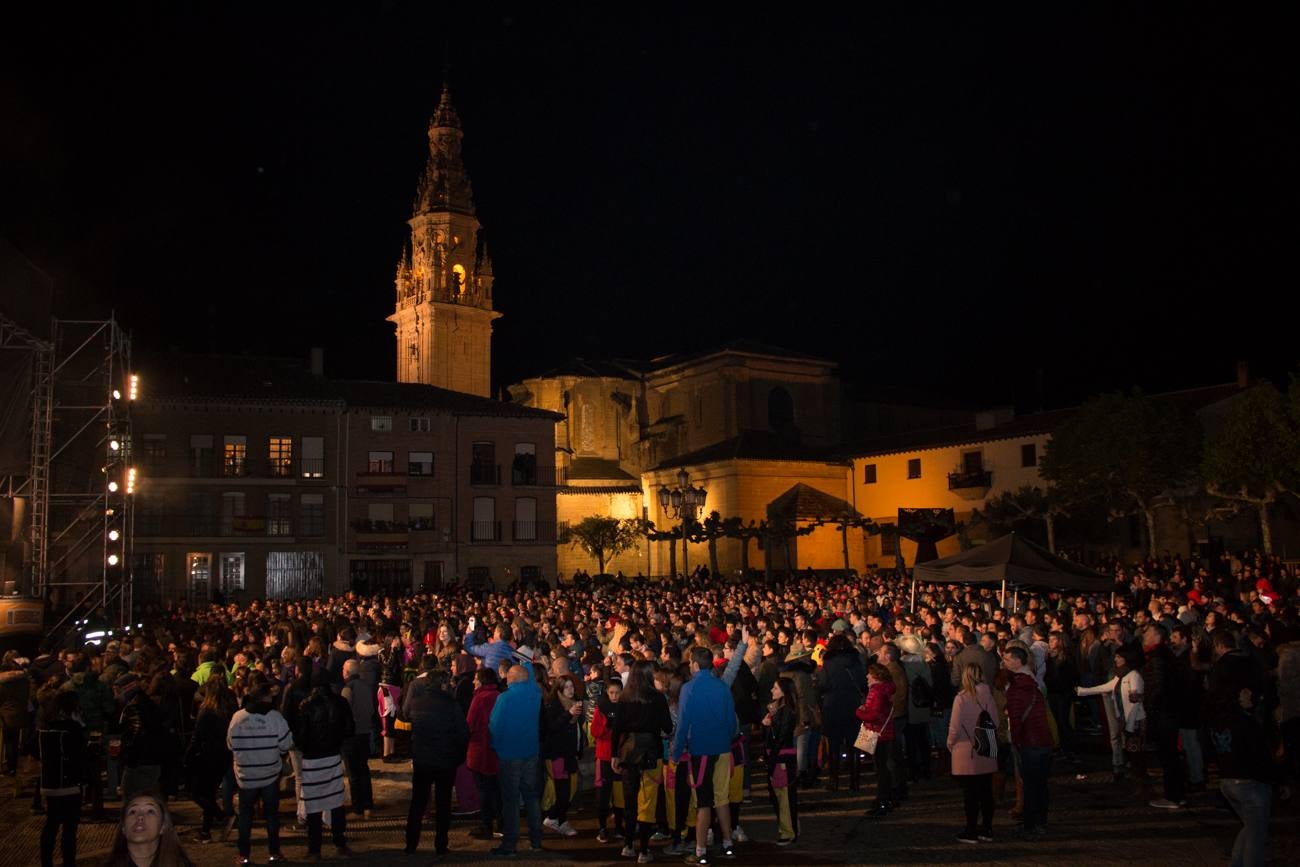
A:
<point x="444" y="278"/>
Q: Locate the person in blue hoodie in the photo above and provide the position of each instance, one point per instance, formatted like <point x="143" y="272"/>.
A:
<point x="514" y="729"/>
<point x="706" y="724"/>
<point x="494" y="652"/>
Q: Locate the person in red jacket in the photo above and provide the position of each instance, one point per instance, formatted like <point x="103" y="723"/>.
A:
<point x="1032" y="738"/>
<point x="877" y="714"/>
<point x="480" y="758"/>
<point x="602" y="732"/>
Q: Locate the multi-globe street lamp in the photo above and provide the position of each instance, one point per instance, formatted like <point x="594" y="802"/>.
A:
<point x="683" y="502"/>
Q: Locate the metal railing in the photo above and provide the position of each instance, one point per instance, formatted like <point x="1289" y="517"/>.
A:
<point x="484" y="474"/>
<point x="970" y="479"/>
<point x="485" y="531"/>
<point x="532" y="531"/>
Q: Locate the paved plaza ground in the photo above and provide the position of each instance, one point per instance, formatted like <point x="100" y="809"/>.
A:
<point x="1092" y="821"/>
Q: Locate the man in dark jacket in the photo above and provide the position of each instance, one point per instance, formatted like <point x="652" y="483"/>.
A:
<point x="439" y="740"/>
<point x="1160" y="700"/>
<point x="323" y="726"/>
<point x="63" y="762"/>
<point x="142" y="737"/>
<point x="340" y="652"/>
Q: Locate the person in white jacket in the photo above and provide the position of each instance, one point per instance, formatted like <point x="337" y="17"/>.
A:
<point x="1124" y="691"/>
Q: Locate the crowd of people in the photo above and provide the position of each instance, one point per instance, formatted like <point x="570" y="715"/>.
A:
<point x="685" y="695"/>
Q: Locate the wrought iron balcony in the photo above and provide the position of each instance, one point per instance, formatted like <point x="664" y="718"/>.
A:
<point x="484" y="474"/>
<point x="967" y="479"/>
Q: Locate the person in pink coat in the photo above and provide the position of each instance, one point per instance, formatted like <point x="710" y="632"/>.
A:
<point x="972" y="771"/>
<point x="877" y="714"/>
<point x="480" y="757"/>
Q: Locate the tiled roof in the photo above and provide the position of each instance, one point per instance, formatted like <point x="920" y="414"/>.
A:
<point x="751" y="445"/>
<point x="594" y="469"/>
<point x="803" y="501"/>
<point x="742" y="346"/>
<point x="240" y="378"/>
<point x="1189" y="400"/>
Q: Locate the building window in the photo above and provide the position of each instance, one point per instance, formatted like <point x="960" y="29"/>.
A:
<point x="232" y="572"/>
<point x="419" y="516"/>
<point x="484" y="527"/>
<point x="483" y="467"/>
<point x="525" y="529"/>
<point x="419" y="463"/>
<point x="198" y="566"/>
<point x="419" y="424"/>
<point x="153" y="451"/>
<point x="888" y="540"/>
<point x="295" y="575"/>
<point x="523" y="471"/>
<point x="311" y="515"/>
<point x="232" y="513"/>
<point x="479" y="575"/>
<point x="198" y="510"/>
<point x="972" y="462"/>
<point x="869" y="474"/>
<point x="563" y="533"/>
<point x="234" y="457"/>
<point x="381" y="423"/>
<point x="280" y="454"/>
<point x="201" y="454"/>
<point x="780" y="409"/>
<point x="914" y="468"/>
<point x="279" y="521"/>
<point x="147" y="574"/>
<point x="530" y="574"/>
<point x="381" y="515"/>
<point x="379" y="462"/>
<point x="313" y="457"/>
<point x="1029" y="455"/>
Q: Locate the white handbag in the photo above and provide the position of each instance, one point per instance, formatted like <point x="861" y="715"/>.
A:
<point x="868" y="739"/>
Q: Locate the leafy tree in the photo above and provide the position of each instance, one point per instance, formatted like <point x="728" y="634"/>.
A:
<point x="604" y="538"/>
<point x="1252" y="457"/>
<point x="1124" y="452"/>
<point x="1029" y="503"/>
<point x="710" y="530"/>
<point x="845" y="522"/>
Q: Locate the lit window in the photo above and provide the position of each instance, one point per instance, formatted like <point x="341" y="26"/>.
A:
<point x="381" y="423"/>
<point x="380" y="462"/>
<point x="234" y="456"/>
<point x="280" y="455"/>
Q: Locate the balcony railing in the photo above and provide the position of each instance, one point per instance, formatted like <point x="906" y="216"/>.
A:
<point x="484" y="474"/>
<point x="149" y="524"/>
<point x="208" y="466"/>
<point x="533" y="531"/>
<point x="965" y="479"/>
<point x="538" y="476"/>
<point x="485" y="531"/>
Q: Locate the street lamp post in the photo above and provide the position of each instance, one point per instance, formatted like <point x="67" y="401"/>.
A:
<point x="684" y="502"/>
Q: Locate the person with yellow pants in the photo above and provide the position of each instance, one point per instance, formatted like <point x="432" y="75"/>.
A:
<point x="639" y="729"/>
<point x="782" y="759"/>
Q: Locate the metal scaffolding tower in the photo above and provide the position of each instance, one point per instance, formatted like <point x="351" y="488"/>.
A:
<point x="79" y="488"/>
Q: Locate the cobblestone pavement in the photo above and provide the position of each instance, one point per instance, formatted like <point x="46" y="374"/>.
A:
<point x="1092" y="821"/>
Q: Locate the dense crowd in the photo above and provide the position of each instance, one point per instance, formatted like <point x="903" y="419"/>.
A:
<point x="684" y="694"/>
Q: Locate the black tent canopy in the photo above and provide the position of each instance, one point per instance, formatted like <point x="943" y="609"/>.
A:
<point x="1017" y="561"/>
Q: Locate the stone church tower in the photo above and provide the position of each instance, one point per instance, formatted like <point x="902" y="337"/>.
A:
<point x="444" y="279"/>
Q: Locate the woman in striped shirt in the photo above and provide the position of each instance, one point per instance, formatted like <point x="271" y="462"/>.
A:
<point x="258" y="739"/>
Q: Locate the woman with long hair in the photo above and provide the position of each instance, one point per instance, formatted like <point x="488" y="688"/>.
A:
<point x="561" y="745"/>
<point x="207" y="761"/>
<point x="782" y="759"/>
<point x="639" y="730"/>
<point x="972" y="740"/>
<point x="146" y="836"/>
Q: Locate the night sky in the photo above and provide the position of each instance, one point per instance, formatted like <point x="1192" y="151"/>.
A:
<point x="984" y="204"/>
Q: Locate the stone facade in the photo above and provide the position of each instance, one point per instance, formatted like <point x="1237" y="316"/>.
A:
<point x="444" y="314"/>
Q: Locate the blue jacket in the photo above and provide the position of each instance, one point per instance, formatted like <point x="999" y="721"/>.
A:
<point x="515" y="719"/>
<point x="491" y="653"/>
<point x="706" y="717"/>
